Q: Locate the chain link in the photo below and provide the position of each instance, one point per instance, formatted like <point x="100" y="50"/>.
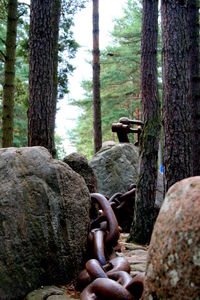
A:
<point x="107" y="276"/>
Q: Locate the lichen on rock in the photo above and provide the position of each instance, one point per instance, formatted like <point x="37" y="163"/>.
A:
<point x="176" y="243"/>
<point x="44" y="219"/>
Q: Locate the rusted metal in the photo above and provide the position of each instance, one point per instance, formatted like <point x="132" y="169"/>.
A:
<point x="98" y="245"/>
<point x="122" y="132"/>
<point x="118" y="198"/>
<point x="126" y="196"/>
<point x="117" y="264"/>
<point x="106" y="289"/>
<point x="123" y="207"/>
<point x="95" y="270"/>
<point x="114" y="197"/>
<point x="123" y="128"/>
<point x="121" y="277"/>
<point x="112" y="235"/>
<point x="136" y="286"/>
<point x="83" y="280"/>
<point x="127" y="121"/>
<point x="104" y="226"/>
<point x="106" y="278"/>
<point x="96" y="223"/>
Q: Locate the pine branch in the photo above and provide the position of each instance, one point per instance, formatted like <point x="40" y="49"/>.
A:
<point x="3" y="56"/>
<point x="3" y="41"/>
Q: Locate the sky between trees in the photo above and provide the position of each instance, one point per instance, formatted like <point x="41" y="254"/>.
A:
<point x="67" y="114"/>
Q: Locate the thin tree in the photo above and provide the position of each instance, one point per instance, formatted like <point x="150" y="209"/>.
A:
<point x="144" y="216"/>
<point x="176" y="106"/>
<point x="96" y="79"/>
<point x="41" y="110"/>
<point x="9" y="76"/>
<point x="193" y="26"/>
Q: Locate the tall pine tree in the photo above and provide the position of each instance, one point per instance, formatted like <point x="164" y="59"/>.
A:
<point x="193" y="27"/>
<point x="96" y="79"/>
<point x="176" y="106"/>
<point x="9" y="76"/>
<point x="145" y="212"/>
<point x="41" y="110"/>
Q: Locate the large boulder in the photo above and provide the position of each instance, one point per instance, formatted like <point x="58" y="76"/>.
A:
<point x="173" y="262"/>
<point x="44" y="218"/>
<point x="79" y="163"/>
<point x="116" y="168"/>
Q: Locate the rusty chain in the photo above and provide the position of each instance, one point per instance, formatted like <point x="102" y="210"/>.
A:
<point x="123" y="127"/>
<point x="106" y="276"/>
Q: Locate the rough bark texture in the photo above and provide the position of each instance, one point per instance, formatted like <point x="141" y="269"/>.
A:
<point x="55" y="25"/>
<point x="9" y="76"/>
<point x="44" y="220"/>
<point x="96" y="79"/>
<point x="41" y="111"/>
<point x="193" y="26"/>
<point x="176" y="106"/>
<point x="145" y="212"/>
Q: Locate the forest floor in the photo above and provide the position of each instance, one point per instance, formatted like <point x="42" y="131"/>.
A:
<point x="134" y="253"/>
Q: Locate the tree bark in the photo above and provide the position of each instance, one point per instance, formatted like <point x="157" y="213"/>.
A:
<point x="145" y="213"/>
<point x="96" y="79"/>
<point x="176" y="106"/>
<point x="9" y="76"/>
<point x="194" y="87"/>
<point x="41" y="111"/>
<point x="55" y="25"/>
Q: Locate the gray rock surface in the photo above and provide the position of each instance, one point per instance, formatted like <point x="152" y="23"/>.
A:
<point x="44" y="217"/>
<point x="135" y="254"/>
<point x="48" y="293"/>
<point x="116" y="168"/>
<point x="79" y="164"/>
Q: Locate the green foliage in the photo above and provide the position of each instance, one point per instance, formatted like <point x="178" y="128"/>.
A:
<point x="67" y="51"/>
<point x="60" y="151"/>
<point x="3" y="10"/>
<point x="120" y="81"/>
<point x="21" y="77"/>
<point x="20" y="112"/>
<point x="67" y="45"/>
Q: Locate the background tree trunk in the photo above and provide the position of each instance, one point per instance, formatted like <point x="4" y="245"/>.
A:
<point x="9" y="76"/>
<point x="96" y="79"/>
<point x="41" y="111"/>
<point x="193" y="26"/>
<point x="176" y="106"/>
<point x="145" y="213"/>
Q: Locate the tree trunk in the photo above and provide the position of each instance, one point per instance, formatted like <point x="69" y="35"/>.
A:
<point x="41" y="111"/>
<point x="9" y="76"/>
<point x="193" y="25"/>
<point x="96" y="79"/>
<point x="145" y="213"/>
<point x="55" y="25"/>
<point x="176" y="106"/>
